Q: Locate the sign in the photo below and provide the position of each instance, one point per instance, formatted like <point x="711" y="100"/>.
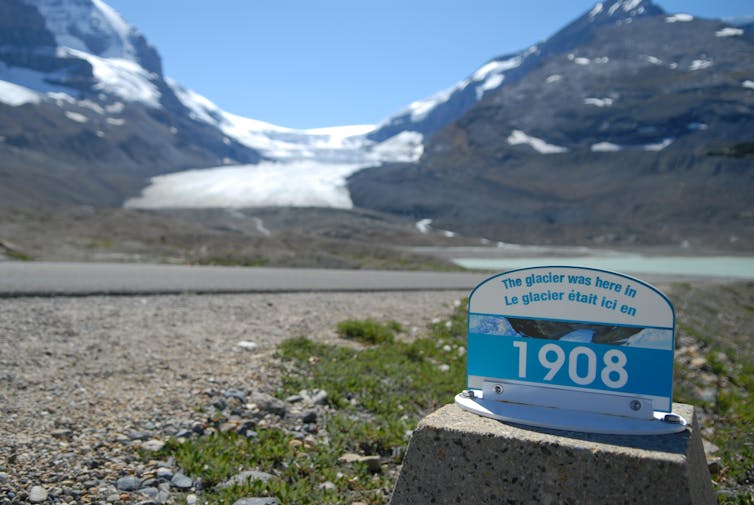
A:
<point x="572" y="338"/>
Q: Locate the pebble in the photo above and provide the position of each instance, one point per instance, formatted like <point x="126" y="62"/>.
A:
<point x="328" y="486"/>
<point x="191" y="499"/>
<point x="128" y="483"/>
<point x="181" y="481"/>
<point x="37" y="494"/>
<point x="164" y="473"/>
<point x="372" y="462"/>
<point x="257" y="501"/>
<point x="3" y="478"/>
<point x="246" y="477"/>
<point x="309" y="416"/>
<point x="315" y="396"/>
<point x="268" y="403"/>
<point x="153" y="445"/>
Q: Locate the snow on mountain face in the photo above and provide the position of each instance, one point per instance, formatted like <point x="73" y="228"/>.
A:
<point x="90" y="26"/>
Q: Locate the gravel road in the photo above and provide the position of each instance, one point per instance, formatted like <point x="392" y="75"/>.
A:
<point x="84" y="380"/>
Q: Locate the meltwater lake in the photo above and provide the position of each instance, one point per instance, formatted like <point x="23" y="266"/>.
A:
<point x="511" y="256"/>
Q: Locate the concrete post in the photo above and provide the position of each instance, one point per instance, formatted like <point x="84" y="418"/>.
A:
<point x="456" y="457"/>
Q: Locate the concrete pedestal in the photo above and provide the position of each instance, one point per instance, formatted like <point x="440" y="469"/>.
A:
<point x="456" y="457"/>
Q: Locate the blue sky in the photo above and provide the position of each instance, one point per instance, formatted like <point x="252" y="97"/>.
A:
<point x="307" y="64"/>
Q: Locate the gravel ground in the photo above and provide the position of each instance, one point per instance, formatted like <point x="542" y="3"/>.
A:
<point x="85" y="381"/>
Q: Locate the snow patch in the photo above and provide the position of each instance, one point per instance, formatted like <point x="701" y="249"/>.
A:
<point x="599" y="102"/>
<point x="491" y="83"/>
<point x="659" y="146"/>
<point x="729" y="32"/>
<point x="261" y="228"/>
<point x="421" y="108"/>
<point x="694" y="126"/>
<point x="15" y="95"/>
<point x="605" y="147"/>
<point x="748" y="84"/>
<point x="423" y="225"/>
<point x="75" y="116"/>
<point x="679" y="18"/>
<point x="582" y="61"/>
<point x="116" y="121"/>
<point x="121" y="77"/>
<point x="518" y="137"/>
<point x="73" y="23"/>
<point x="407" y="146"/>
<point x="652" y="59"/>
<point x="553" y="78"/>
<point x="700" y="64"/>
<point x="596" y="9"/>
<point x="294" y="184"/>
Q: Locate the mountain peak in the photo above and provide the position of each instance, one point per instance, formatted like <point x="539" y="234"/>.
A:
<point x="88" y="25"/>
<point x="619" y="9"/>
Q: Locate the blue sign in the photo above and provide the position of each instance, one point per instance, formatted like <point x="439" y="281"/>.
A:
<point x="575" y="330"/>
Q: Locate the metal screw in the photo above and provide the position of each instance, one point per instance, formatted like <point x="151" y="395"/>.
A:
<point x="498" y="389"/>
<point x="635" y="405"/>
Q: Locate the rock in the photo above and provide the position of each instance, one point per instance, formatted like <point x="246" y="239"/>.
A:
<point x="246" y="345"/>
<point x="153" y="445"/>
<point x="246" y="477"/>
<point x="709" y="447"/>
<point x="149" y="492"/>
<point x="164" y="473"/>
<point x="294" y="399"/>
<point x="3" y="478"/>
<point x="190" y="499"/>
<point x="444" y="367"/>
<point x="309" y="416"/>
<point x="184" y="433"/>
<point x="128" y="483"/>
<point x="63" y="434"/>
<point x="181" y="481"/>
<point x="328" y="486"/>
<point x="715" y="465"/>
<point x="257" y="501"/>
<point x="235" y="393"/>
<point x="372" y="462"/>
<point x="268" y="403"/>
<point x="37" y="494"/>
<point x="314" y="396"/>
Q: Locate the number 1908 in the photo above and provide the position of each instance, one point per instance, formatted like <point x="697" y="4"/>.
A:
<point x="552" y="357"/>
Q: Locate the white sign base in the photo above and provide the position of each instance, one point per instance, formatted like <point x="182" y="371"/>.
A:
<point x="660" y="423"/>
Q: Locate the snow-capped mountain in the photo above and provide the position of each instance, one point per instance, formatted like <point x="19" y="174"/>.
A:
<point x="431" y="114"/>
<point x="629" y="125"/>
<point x="77" y="81"/>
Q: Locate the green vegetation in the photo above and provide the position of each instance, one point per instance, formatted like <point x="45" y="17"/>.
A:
<point x="369" y="331"/>
<point x="377" y="395"/>
<point x="17" y="255"/>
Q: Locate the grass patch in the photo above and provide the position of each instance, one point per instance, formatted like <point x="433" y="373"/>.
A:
<point x="17" y="255"/>
<point x="369" y="331"/>
<point x="719" y="319"/>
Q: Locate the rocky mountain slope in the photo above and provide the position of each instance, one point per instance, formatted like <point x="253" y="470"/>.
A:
<point x="86" y="114"/>
<point x="629" y="126"/>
